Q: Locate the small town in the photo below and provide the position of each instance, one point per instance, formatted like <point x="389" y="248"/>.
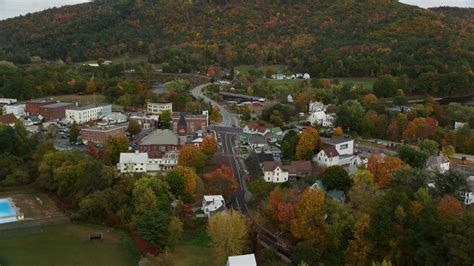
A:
<point x="218" y="155"/>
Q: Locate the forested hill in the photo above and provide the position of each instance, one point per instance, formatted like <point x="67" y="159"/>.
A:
<point x="326" y="38"/>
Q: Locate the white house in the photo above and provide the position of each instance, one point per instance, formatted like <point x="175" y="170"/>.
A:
<point x="140" y="162"/>
<point x="344" y="145"/>
<point x="316" y="107"/>
<point x="469" y="196"/>
<point x="327" y="157"/>
<point x="115" y="118"/>
<point x="339" y="151"/>
<point x="88" y="113"/>
<point x="278" y="76"/>
<point x="159" y="108"/>
<point x="18" y="110"/>
<point x="133" y="162"/>
<point x="321" y="118"/>
<point x="274" y="172"/>
<point x="306" y="76"/>
<point x="289" y="98"/>
<point x="212" y="204"/>
<point x="438" y="163"/>
<point x="459" y="125"/>
<point x="242" y="260"/>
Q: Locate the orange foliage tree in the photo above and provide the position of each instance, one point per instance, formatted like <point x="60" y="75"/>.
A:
<point x="419" y="128"/>
<point x="383" y="167"/>
<point x="209" y="145"/>
<point x="221" y="181"/>
<point x="308" y="144"/>
<point x="448" y="206"/>
<point x="338" y="132"/>
<point x="282" y="204"/>
<point x="192" y="156"/>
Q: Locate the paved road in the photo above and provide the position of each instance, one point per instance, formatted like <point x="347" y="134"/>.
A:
<point x="229" y="136"/>
<point x="229" y="119"/>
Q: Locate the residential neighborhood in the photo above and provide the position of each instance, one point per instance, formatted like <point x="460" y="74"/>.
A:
<point x="236" y="133"/>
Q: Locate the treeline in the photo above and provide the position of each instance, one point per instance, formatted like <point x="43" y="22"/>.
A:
<point x="340" y="39"/>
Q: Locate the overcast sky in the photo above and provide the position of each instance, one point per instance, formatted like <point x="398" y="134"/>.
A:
<point x="13" y="8"/>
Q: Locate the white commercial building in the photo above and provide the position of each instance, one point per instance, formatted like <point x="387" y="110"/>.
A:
<point x="212" y="204"/>
<point x="115" y="118"/>
<point x="159" y="108"/>
<point x="242" y="260"/>
<point x="7" y="101"/>
<point x="140" y="163"/>
<point x="88" y="113"/>
<point x="18" y="110"/>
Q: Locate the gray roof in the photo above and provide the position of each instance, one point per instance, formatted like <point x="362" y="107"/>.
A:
<point x="57" y="105"/>
<point x="89" y="106"/>
<point x="339" y="140"/>
<point x="436" y="160"/>
<point x="160" y="137"/>
<point x="257" y="139"/>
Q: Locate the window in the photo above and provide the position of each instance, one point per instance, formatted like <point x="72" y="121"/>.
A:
<point x="344" y="146"/>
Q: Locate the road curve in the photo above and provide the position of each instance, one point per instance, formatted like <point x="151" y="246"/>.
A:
<point x="228" y="119"/>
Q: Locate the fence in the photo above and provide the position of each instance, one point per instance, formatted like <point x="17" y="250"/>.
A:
<point x="29" y="226"/>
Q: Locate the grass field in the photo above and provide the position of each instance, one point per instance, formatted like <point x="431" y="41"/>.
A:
<point x="81" y="99"/>
<point x="366" y="83"/>
<point x="32" y="203"/>
<point x="193" y="250"/>
<point x="247" y="68"/>
<point x="68" y="245"/>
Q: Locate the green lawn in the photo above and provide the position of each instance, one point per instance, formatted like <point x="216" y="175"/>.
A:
<point x="366" y="83"/>
<point x="81" y="99"/>
<point x="68" y="244"/>
<point x="194" y="249"/>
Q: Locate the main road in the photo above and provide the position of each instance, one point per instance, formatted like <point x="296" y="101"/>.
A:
<point x="229" y="119"/>
<point x="228" y="131"/>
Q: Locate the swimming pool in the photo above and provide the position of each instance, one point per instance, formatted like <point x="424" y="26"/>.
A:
<point x="7" y="211"/>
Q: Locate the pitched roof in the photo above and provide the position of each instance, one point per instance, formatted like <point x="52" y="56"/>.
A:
<point x="302" y="166"/>
<point x="262" y="157"/>
<point x="160" y="137"/>
<point x="436" y="160"/>
<point x="182" y="121"/>
<point x="257" y="139"/>
<point x="128" y="157"/>
<point x="270" y="166"/>
<point x="7" y="119"/>
<point x="331" y="151"/>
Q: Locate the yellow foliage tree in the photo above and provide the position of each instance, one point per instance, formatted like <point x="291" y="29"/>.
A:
<point x="338" y="132"/>
<point x="229" y="235"/>
<point x="308" y="144"/>
<point x="309" y="223"/>
<point x="359" y="247"/>
<point x="209" y="145"/>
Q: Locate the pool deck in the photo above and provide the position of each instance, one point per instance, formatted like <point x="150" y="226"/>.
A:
<point x="12" y="215"/>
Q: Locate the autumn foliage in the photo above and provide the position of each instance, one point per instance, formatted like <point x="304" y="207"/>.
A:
<point x="282" y="204"/>
<point x="420" y="128"/>
<point x="383" y="167"/>
<point x="308" y="144"/>
<point x="309" y="223"/>
<point x="209" y="145"/>
<point x="448" y="206"/>
<point x="221" y="181"/>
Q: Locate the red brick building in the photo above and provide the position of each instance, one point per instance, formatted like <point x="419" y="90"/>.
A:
<point x="33" y="106"/>
<point x="193" y="123"/>
<point x="54" y="110"/>
<point x="158" y="142"/>
<point x="100" y="134"/>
